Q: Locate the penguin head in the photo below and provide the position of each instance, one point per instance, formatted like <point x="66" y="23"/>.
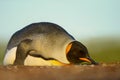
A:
<point x="77" y="53"/>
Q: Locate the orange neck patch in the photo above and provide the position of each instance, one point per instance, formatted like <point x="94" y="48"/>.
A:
<point x="68" y="48"/>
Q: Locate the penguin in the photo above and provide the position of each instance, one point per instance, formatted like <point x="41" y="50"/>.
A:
<point x="45" y="44"/>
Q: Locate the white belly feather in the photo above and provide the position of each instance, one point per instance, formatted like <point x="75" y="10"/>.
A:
<point x="10" y="56"/>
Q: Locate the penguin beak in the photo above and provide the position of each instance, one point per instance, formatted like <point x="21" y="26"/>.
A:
<point x="89" y="60"/>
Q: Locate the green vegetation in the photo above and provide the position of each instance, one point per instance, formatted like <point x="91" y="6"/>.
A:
<point x="101" y="49"/>
<point x="2" y="50"/>
<point x="104" y="49"/>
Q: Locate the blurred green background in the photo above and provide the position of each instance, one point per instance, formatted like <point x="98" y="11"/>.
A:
<point x="95" y="23"/>
<point x="104" y="49"/>
<point x="3" y="44"/>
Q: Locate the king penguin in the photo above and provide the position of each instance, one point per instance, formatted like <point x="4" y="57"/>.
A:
<point x="45" y="44"/>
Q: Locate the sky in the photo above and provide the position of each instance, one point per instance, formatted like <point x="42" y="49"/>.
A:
<point x="81" y="18"/>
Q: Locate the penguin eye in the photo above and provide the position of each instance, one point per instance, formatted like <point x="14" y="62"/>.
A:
<point x="82" y="53"/>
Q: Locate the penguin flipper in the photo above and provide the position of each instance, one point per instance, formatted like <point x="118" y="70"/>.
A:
<point x="22" y="51"/>
<point x="51" y="61"/>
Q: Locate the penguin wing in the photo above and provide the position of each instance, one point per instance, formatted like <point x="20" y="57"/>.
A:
<point x="37" y="55"/>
